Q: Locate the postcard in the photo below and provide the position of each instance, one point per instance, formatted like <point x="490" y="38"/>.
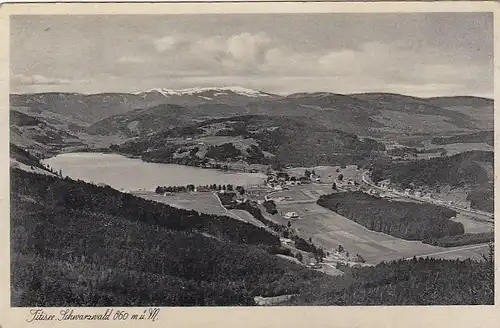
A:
<point x="248" y="164"/>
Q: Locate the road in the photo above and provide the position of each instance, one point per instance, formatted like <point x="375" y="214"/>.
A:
<point x="249" y="218"/>
<point x="478" y="214"/>
<point x="452" y="250"/>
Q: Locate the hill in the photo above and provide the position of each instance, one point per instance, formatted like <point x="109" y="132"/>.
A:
<point x="371" y="114"/>
<point x="154" y="254"/>
<point x="40" y="136"/>
<point x="481" y="109"/>
<point x="454" y="101"/>
<point x="120" y="250"/>
<point x="254" y="139"/>
<point x="87" y="108"/>
<point x="234" y="95"/>
<point x="478" y="137"/>
<point x="470" y="172"/>
<point x="414" y="282"/>
<point x="458" y="170"/>
<point x="416" y="107"/>
<point x="94" y="107"/>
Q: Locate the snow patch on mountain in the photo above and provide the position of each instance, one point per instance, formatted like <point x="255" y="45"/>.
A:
<point x="217" y="91"/>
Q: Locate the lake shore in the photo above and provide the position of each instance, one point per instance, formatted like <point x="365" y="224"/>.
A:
<point x="123" y="172"/>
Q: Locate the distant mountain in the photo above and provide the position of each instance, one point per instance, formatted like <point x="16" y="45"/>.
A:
<point x="141" y="122"/>
<point x="480" y="109"/>
<point x="39" y="135"/>
<point x="87" y="108"/>
<point x="94" y="107"/>
<point x="370" y="114"/>
<point x="378" y="115"/>
<point x="414" y="106"/>
<point x="470" y="101"/>
<point x="195" y="96"/>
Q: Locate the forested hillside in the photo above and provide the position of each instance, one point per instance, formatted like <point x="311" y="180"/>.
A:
<point x="117" y="249"/>
<point x="466" y="168"/>
<point x="413" y="282"/>
<point x="471" y="170"/>
<point x="477" y="137"/>
<point x="404" y="220"/>
<point x="255" y="139"/>
<point x="76" y="244"/>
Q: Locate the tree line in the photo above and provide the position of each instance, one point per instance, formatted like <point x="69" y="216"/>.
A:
<point x="193" y="188"/>
<point x="404" y="220"/>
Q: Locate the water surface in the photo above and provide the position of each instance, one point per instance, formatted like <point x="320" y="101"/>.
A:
<point x="130" y="174"/>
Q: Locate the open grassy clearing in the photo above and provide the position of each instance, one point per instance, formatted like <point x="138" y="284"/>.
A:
<point x="456" y="148"/>
<point x="329" y="229"/>
<point x="202" y="202"/>
<point x="473" y="226"/>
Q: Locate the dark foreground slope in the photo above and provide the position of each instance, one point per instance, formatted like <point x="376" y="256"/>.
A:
<point x="413" y="282"/>
<point x="76" y="244"/>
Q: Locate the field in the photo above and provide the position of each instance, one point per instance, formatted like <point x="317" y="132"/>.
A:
<point x="472" y="225"/>
<point x="329" y="229"/>
<point x="328" y="174"/>
<point x="456" y="148"/>
<point x="460" y="253"/>
<point x="203" y="202"/>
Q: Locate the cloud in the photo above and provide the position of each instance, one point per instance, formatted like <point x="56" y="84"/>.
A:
<point x="262" y="61"/>
<point x="239" y="52"/>
<point x="21" y="79"/>
<point x="130" y="60"/>
<point x="260" y="56"/>
<point x="166" y="43"/>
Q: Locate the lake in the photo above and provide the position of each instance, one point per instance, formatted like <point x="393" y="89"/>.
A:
<point x="131" y="174"/>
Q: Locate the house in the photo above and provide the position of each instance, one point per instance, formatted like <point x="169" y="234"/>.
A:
<point x="286" y="241"/>
<point x="282" y="176"/>
<point x="304" y="180"/>
<point x="278" y="188"/>
<point x="384" y="183"/>
<point x="291" y="215"/>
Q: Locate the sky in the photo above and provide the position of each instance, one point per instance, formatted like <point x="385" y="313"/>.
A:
<point x="420" y="54"/>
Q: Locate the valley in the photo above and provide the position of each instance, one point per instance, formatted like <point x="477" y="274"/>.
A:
<point x="335" y="169"/>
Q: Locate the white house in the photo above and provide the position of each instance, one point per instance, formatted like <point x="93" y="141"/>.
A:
<point x="291" y="215"/>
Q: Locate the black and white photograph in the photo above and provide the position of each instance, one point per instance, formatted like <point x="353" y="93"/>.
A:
<point x="251" y="159"/>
